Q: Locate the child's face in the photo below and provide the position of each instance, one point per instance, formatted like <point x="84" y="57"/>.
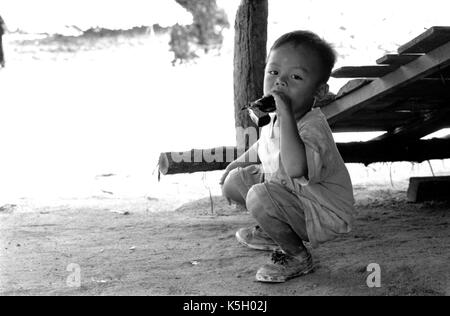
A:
<point x="295" y="72"/>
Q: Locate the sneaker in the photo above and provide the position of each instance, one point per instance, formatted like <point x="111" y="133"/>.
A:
<point x="285" y="267"/>
<point x="256" y="238"/>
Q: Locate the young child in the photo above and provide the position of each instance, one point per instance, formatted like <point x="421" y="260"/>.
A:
<point x="299" y="189"/>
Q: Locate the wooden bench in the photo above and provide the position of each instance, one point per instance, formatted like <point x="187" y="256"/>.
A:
<point x="429" y="188"/>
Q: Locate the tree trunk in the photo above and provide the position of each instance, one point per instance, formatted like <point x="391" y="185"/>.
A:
<point x="197" y="160"/>
<point x="249" y="61"/>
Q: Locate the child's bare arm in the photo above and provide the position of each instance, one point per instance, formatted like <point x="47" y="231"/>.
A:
<point x="292" y="148"/>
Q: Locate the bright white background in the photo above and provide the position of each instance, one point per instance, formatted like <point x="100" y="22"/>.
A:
<point x="65" y="121"/>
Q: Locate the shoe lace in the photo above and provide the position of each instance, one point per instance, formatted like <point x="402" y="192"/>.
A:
<point x="279" y="257"/>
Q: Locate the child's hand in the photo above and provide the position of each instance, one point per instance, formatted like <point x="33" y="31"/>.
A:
<point x="283" y="103"/>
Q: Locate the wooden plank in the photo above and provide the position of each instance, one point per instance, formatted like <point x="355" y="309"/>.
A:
<point x="381" y="87"/>
<point x="358" y="128"/>
<point x="387" y="116"/>
<point x="365" y="124"/>
<point x="441" y="74"/>
<point x="382" y="151"/>
<point x="409" y="104"/>
<point x="412" y="118"/>
<point x="429" y="188"/>
<point x="422" y="94"/>
<point x="426" y="90"/>
<point x="397" y="60"/>
<point x="416" y="107"/>
<point x="429" y="40"/>
<point x="200" y="160"/>
<point x="351" y="86"/>
<point x="419" y="128"/>
<point x="197" y="160"/>
<point x="429" y="89"/>
<point x="374" y="71"/>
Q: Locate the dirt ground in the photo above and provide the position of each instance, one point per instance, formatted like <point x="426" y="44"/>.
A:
<point x="127" y="247"/>
<point x="123" y="245"/>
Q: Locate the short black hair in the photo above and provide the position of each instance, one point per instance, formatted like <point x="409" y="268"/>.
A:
<point x="324" y="50"/>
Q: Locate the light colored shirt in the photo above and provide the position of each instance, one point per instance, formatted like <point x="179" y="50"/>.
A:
<point x="326" y="191"/>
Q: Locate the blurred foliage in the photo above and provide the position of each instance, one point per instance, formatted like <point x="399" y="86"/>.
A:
<point x="187" y="42"/>
<point x="92" y="39"/>
<point x="204" y="34"/>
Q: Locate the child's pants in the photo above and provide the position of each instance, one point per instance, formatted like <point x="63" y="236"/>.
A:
<point x="278" y="211"/>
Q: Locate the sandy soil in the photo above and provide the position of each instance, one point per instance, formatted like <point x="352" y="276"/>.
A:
<point x="125" y="247"/>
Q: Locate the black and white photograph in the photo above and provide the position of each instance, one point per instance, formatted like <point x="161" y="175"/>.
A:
<point x="225" y="153"/>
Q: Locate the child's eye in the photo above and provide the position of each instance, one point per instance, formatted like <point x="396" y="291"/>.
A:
<point x="296" y="77"/>
<point x="273" y="72"/>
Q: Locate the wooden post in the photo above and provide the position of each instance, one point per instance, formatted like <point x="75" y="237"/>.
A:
<point x="250" y="47"/>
